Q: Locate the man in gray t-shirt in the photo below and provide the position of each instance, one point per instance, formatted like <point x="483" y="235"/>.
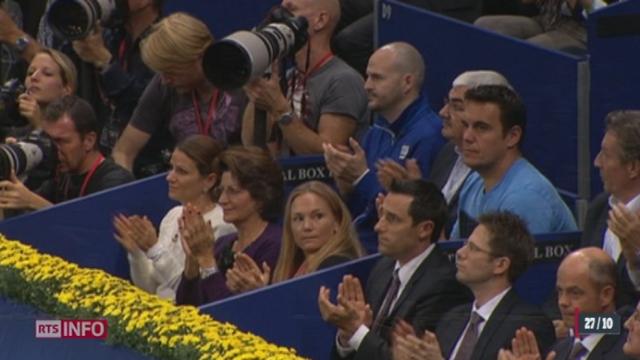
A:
<point x="325" y="99"/>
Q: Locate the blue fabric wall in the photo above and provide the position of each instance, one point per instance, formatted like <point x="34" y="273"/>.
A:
<point x="545" y="79"/>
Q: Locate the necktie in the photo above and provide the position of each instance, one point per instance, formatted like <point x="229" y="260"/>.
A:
<point x="470" y="338"/>
<point x="392" y="292"/>
<point x="577" y="351"/>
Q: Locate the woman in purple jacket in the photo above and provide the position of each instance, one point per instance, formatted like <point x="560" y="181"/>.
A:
<point x="251" y="192"/>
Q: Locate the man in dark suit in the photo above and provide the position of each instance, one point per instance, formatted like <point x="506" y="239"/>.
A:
<point x="586" y="281"/>
<point x="619" y="165"/>
<point x="498" y="251"/>
<point x="413" y="281"/>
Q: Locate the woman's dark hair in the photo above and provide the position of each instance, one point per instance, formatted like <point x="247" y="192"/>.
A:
<point x="258" y="173"/>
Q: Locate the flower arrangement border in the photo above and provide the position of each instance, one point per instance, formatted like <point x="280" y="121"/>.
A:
<point x="137" y="319"/>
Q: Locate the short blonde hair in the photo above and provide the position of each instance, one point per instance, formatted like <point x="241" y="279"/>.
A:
<point x="68" y="72"/>
<point x="179" y="39"/>
<point x="344" y="242"/>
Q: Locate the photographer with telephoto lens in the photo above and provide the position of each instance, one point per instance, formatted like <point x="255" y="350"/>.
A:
<point x="324" y="99"/>
<point x="102" y="38"/>
<point x="71" y="124"/>
<point x="107" y="35"/>
<point x="27" y="151"/>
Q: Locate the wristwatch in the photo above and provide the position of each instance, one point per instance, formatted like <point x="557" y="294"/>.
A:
<point x="286" y="118"/>
<point x="22" y="43"/>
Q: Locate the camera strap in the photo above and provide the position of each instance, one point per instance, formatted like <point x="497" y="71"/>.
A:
<point x="122" y="53"/>
<point x="90" y="174"/>
<point x="205" y="127"/>
<point x="303" y="81"/>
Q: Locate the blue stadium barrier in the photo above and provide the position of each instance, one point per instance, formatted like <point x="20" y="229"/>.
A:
<point x="614" y="45"/>
<point x="81" y="230"/>
<point x="548" y="82"/>
<point x="224" y="16"/>
<point x="287" y="313"/>
<point x="300" y="169"/>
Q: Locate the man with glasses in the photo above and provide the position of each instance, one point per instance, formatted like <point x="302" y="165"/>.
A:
<point x="498" y="251"/>
<point x="414" y="281"/>
<point x="494" y="121"/>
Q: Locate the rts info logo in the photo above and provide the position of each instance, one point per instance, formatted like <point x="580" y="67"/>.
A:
<point x="72" y="329"/>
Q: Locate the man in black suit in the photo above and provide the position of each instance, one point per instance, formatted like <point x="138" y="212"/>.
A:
<point x="413" y="281"/>
<point x="586" y="281"/>
<point x="619" y="165"/>
<point x="498" y="251"/>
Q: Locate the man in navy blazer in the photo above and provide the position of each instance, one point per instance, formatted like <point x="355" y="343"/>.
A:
<point x="498" y="251"/>
<point x="412" y="215"/>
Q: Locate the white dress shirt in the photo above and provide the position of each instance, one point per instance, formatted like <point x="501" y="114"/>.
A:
<point x="456" y="178"/>
<point x="589" y="342"/>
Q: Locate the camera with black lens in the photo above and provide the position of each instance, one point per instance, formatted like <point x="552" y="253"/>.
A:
<point x="245" y="55"/>
<point x="75" y="19"/>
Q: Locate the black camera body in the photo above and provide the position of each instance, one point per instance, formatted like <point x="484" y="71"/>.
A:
<point x="245" y="55"/>
<point x="75" y="19"/>
<point x="9" y="93"/>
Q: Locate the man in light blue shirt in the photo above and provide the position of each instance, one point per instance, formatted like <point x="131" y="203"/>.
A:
<point x="494" y="122"/>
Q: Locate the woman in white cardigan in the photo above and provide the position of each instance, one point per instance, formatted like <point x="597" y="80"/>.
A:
<point x="157" y="261"/>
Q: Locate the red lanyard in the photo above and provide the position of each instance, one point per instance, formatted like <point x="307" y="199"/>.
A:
<point x="294" y="83"/>
<point x="121" y="53"/>
<point x="204" y="127"/>
<point x="90" y="174"/>
<point x="325" y="59"/>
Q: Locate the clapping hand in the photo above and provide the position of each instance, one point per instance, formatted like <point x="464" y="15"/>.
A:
<point x="351" y="310"/>
<point x="389" y="170"/>
<point x="406" y="345"/>
<point x="343" y="164"/>
<point x="524" y="347"/>
<point x="197" y="238"/>
<point x="245" y="275"/>
<point x="625" y="225"/>
<point x="135" y="232"/>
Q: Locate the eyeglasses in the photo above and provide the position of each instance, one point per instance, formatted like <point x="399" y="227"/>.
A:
<point x="475" y="248"/>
